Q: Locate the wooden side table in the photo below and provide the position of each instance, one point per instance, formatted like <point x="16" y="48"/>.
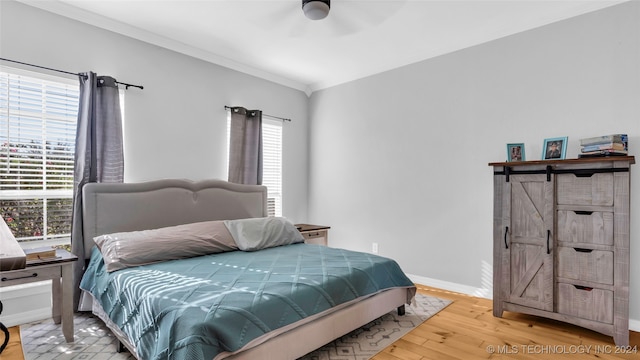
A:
<point x="314" y="234"/>
<point x="59" y="271"/>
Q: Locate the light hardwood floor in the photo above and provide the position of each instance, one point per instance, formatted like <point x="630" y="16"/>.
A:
<point x="467" y="329"/>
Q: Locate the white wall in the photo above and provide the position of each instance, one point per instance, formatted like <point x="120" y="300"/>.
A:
<point x="176" y="126"/>
<point x="401" y="158"/>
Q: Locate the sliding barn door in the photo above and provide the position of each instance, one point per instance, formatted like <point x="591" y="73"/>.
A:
<point x="528" y="241"/>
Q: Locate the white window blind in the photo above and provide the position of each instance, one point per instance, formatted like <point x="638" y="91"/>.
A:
<point x="271" y="161"/>
<point x="38" y="116"/>
<point x="272" y="164"/>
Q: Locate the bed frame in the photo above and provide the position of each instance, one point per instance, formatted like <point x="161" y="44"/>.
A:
<point x="117" y="207"/>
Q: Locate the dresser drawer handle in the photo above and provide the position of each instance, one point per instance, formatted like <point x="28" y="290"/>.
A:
<point x="582" y="250"/>
<point x="20" y="277"/>
<point x="582" y="212"/>
<point x="585" y="288"/>
<point x="314" y="234"/>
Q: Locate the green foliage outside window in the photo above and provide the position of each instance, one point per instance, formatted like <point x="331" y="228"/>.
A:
<point x="29" y="169"/>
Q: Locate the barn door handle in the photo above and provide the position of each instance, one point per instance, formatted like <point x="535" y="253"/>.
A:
<point x="506" y="231"/>
<point x="548" y="237"/>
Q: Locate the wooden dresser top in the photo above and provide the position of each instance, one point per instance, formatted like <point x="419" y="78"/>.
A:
<point x="630" y="159"/>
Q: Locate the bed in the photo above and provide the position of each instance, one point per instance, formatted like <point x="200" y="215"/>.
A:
<point x="298" y="296"/>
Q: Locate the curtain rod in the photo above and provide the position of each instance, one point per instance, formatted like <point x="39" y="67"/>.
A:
<point x="127" y="86"/>
<point x="271" y="116"/>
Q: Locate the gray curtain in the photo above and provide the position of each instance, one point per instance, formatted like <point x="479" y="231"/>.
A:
<point x="98" y="155"/>
<point x="245" y="146"/>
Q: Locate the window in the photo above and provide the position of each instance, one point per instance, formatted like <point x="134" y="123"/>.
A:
<point x="38" y="116"/>
<point x="272" y="161"/>
<point x="272" y="164"/>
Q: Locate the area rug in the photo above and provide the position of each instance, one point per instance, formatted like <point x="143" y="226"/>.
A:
<point x="370" y="339"/>
<point x="93" y="341"/>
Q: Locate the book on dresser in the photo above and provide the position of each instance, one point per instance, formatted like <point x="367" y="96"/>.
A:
<point x="607" y="145"/>
<point x="616" y="146"/>
<point x="614" y="138"/>
<point x="600" y="153"/>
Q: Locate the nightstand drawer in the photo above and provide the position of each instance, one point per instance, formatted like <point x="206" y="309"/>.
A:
<point x="596" y="189"/>
<point x="590" y="227"/>
<point x="314" y="234"/>
<point x="29" y="275"/>
<point x="315" y="237"/>
<point x="585" y="264"/>
<point x="585" y="302"/>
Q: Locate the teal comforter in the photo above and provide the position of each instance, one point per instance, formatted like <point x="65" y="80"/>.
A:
<point x="198" y="307"/>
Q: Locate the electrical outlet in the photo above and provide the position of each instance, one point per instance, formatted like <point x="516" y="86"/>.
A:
<point x="374" y="248"/>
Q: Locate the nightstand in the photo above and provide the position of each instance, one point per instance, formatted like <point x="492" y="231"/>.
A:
<point x="58" y="270"/>
<point x="314" y="234"/>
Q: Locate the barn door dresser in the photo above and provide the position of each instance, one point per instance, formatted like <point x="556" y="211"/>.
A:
<point x="561" y="241"/>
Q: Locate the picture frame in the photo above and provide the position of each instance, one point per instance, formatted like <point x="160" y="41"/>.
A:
<point x="555" y="148"/>
<point x="515" y="152"/>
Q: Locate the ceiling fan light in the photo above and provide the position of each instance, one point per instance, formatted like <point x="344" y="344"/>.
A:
<point x="316" y="9"/>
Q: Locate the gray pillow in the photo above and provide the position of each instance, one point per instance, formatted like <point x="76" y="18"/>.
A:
<point x="126" y="249"/>
<point x="261" y="233"/>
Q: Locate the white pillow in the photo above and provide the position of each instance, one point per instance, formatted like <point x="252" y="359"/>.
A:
<point x="261" y="233"/>
<point x="126" y="249"/>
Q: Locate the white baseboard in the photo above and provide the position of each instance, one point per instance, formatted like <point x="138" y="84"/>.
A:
<point x="26" y="317"/>
<point x="26" y="303"/>
<point x="634" y="324"/>
<point x="451" y="286"/>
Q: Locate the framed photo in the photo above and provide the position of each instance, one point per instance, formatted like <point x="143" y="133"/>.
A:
<point x="554" y="148"/>
<point x="515" y="152"/>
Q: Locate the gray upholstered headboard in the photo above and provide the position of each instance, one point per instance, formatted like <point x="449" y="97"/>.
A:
<point x="117" y="207"/>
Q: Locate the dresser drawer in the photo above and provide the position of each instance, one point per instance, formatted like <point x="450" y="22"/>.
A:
<point x="585" y="264"/>
<point x="586" y="303"/>
<point x="590" y="227"/>
<point x="596" y="189"/>
<point x="26" y="276"/>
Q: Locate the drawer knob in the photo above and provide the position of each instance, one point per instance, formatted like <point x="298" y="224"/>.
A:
<point x="20" y="277"/>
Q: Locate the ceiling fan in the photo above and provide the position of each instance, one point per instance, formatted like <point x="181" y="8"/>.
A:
<point x="339" y="18"/>
<point x="316" y="9"/>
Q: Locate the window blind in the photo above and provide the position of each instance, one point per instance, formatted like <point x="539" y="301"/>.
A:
<point x="38" y="117"/>
<point x="272" y="164"/>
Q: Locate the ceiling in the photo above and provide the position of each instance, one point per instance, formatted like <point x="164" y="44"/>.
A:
<point x="273" y="40"/>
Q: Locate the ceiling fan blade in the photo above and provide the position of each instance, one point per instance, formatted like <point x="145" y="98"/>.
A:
<point x="359" y="15"/>
<point x="345" y="17"/>
<point x="351" y="16"/>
